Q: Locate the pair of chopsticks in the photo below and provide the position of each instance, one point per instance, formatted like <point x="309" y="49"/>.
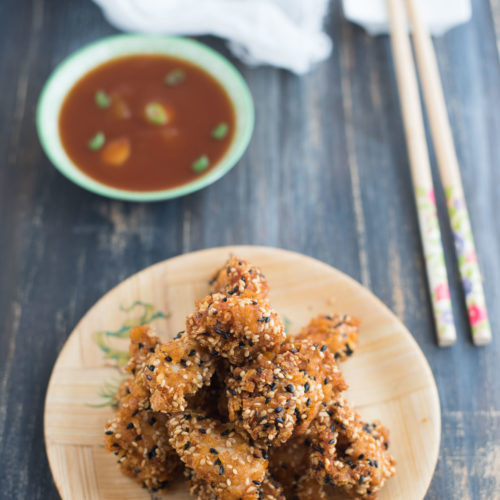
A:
<point x="422" y="179"/>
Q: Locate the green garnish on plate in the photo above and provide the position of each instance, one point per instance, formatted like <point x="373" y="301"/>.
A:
<point x="102" y="99"/>
<point x="156" y="114"/>
<point x="201" y="164"/>
<point x="175" y="77"/>
<point x="97" y="142"/>
<point x="220" y="131"/>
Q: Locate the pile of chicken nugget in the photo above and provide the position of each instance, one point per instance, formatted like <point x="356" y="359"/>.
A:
<point x="243" y="411"/>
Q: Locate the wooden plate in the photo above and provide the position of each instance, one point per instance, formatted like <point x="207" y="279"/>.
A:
<point x="388" y="375"/>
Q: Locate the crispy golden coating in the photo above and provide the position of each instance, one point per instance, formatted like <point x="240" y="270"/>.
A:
<point x="281" y="392"/>
<point x="349" y="453"/>
<point x="238" y="277"/>
<point x="142" y="343"/>
<point x="139" y="438"/>
<point x="173" y="371"/>
<point x="236" y="328"/>
<point x="270" y="489"/>
<point x="338" y="331"/>
<point x="218" y="455"/>
<point x="308" y="488"/>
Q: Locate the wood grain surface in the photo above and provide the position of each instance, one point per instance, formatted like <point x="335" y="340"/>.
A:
<point x="326" y="174"/>
<point x="388" y="376"/>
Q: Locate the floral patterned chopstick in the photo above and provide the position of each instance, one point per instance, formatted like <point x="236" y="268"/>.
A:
<point x="418" y="154"/>
<point x="450" y="176"/>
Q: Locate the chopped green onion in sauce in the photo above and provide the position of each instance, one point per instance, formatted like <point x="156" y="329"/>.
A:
<point x="156" y="113"/>
<point x="201" y="164"/>
<point x="175" y="77"/>
<point x="102" y="99"/>
<point x="97" y="142"/>
<point x="220" y="131"/>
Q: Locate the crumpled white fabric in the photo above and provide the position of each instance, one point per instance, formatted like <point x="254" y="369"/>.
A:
<point x="284" y="33"/>
<point x="438" y="15"/>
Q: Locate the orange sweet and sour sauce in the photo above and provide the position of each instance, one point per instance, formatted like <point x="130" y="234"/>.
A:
<point x="146" y="122"/>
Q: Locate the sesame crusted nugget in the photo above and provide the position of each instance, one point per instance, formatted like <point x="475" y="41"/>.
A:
<point x="142" y="343"/>
<point x="338" y="331"/>
<point x="202" y="490"/>
<point x="139" y="439"/>
<point x="219" y="456"/>
<point x="236" y="328"/>
<point x="357" y="460"/>
<point x="175" y="370"/>
<point x="238" y="277"/>
<point x="281" y="392"/>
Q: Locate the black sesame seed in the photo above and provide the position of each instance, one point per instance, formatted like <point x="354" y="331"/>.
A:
<point x="321" y="464"/>
<point x="336" y="355"/>
<point x="135" y="412"/>
<point x="294" y="351"/>
<point x="136" y="471"/>
<point x="225" y="433"/>
<point x="332" y="441"/>
<point x="268" y="399"/>
<point x="360" y="457"/>
<point x="152" y="451"/>
<point x="323" y="348"/>
<point x="306" y="387"/>
<point x="151" y="349"/>
<point x="348" y="350"/>
<point x="264" y="455"/>
<point x="203" y="431"/>
<point x="148" y="376"/>
<point x="289" y="388"/>
<point x="187" y="416"/>
<point x="255" y="455"/>
<point x="308" y="402"/>
<point x="361" y="479"/>
<point x="152" y="420"/>
<point x="221" y="470"/>
<point x="192" y="352"/>
<point x="130" y="426"/>
<point x="168" y="359"/>
<point x="187" y="445"/>
<point x="214" y="451"/>
<point x="273" y="386"/>
<point x="138" y="438"/>
<point x="375" y="463"/>
<point x="183" y="362"/>
<point x="218" y="462"/>
<point x="151" y="368"/>
<point x="109" y="433"/>
<point x="279" y="420"/>
<point x="140" y="345"/>
<point x="279" y="409"/>
<point x="224" y="299"/>
<point x="326" y="380"/>
<point x="256" y="482"/>
<point x="232" y="391"/>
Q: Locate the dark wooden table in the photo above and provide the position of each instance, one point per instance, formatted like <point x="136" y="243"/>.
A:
<point x="326" y="174"/>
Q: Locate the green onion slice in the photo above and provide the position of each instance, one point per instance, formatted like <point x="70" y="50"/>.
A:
<point x="97" y="142"/>
<point x="175" y="77"/>
<point x="102" y="99"/>
<point x="156" y="114"/>
<point x="201" y="164"/>
<point x="220" y="131"/>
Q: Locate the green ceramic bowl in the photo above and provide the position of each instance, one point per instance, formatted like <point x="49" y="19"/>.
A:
<point x="81" y="62"/>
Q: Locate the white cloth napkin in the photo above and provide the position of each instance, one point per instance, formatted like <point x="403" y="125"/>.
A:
<point x="439" y="15"/>
<point x="285" y="33"/>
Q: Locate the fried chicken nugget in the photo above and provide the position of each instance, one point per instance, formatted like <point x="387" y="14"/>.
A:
<point x="338" y="331"/>
<point x="349" y="453"/>
<point x="172" y="371"/>
<point x="224" y="460"/>
<point x="281" y="392"/>
<point x="238" y="277"/>
<point x="236" y="328"/>
<point x="270" y="488"/>
<point x="139" y="438"/>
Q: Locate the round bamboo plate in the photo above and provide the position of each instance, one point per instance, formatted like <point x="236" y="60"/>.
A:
<point x="388" y="375"/>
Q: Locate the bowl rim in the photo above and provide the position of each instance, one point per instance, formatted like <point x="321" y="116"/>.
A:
<point x="71" y="171"/>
